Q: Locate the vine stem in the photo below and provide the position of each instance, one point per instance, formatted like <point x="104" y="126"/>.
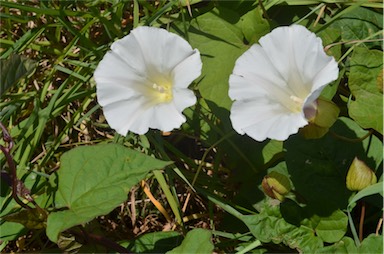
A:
<point x="352" y="140"/>
<point x="350" y="42"/>
<point x="12" y="167"/>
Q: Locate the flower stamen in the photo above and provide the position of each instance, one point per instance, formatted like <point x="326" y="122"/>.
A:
<point x="163" y="93"/>
<point x="298" y="103"/>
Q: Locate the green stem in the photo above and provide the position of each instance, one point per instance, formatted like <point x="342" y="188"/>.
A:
<point x="352" y="140"/>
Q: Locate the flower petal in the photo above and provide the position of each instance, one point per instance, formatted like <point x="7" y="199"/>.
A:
<point x="241" y="88"/>
<point x="161" y="50"/>
<point x="183" y="98"/>
<point x="187" y="70"/>
<point x="129" y="51"/>
<point x="127" y="115"/>
<point x="327" y="74"/>
<point x="255" y="63"/>
<point x="167" y="117"/>
<point x="298" y="55"/>
<point x="117" y="82"/>
<point x="262" y="119"/>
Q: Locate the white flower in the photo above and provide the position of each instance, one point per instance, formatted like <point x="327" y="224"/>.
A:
<point x="275" y="84"/>
<point x="143" y="81"/>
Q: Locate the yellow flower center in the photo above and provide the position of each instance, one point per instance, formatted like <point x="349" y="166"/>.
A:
<point x="163" y="92"/>
<point x="297" y="103"/>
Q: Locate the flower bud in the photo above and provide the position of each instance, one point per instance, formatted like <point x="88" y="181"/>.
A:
<point x="327" y="113"/>
<point x="276" y="185"/>
<point x="359" y="176"/>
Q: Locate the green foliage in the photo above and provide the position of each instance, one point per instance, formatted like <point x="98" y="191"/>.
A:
<point x="371" y="190"/>
<point x="13" y="69"/>
<point x="219" y="38"/>
<point x="367" y="108"/>
<point x="155" y="242"/>
<point x="10" y="230"/>
<point x="110" y="169"/>
<point x="359" y="23"/>
<point x="318" y="167"/>
<point x="345" y="245"/>
<point x="331" y="229"/>
<point x="270" y="226"/>
<point x="196" y="241"/>
<point x="372" y="244"/>
<point x="253" y="25"/>
<point x="31" y="219"/>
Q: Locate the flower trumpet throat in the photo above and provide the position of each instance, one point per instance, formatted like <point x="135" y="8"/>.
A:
<point x="297" y="103"/>
<point x="360" y="176"/>
<point x="276" y="185"/>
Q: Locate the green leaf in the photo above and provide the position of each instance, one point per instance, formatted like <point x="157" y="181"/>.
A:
<point x="220" y="43"/>
<point x="358" y="24"/>
<point x="271" y="149"/>
<point x="254" y="26"/>
<point x="155" y="242"/>
<point x="331" y="35"/>
<point x="13" y="69"/>
<point x="270" y="226"/>
<point x="372" y="244"/>
<point x="331" y="229"/>
<point x="367" y="108"/>
<point x="93" y="180"/>
<point x="31" y="219"/>
<point x="197" y="240"/>
<point x="11" y="230"/>
<point x="292" y="212"/>
<point x="345" y="245"/>
<point x="318" y="168"/>
<point x="376" y="188"/>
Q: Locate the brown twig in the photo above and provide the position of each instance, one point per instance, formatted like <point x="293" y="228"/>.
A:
<point x="379" y="224"/>
<point x="361" y="223"/>
<point x="349" y="42"/>
<point x="154" y="201"/>
<point x="133" y="206"/>
<point x="265" y="14"/>
<point x="321" y="12"/>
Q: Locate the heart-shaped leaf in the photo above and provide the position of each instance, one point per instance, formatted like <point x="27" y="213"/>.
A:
<point x="367" y="108"/>
<point x="93" y="180"/>
<point x="220" y="43"/>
